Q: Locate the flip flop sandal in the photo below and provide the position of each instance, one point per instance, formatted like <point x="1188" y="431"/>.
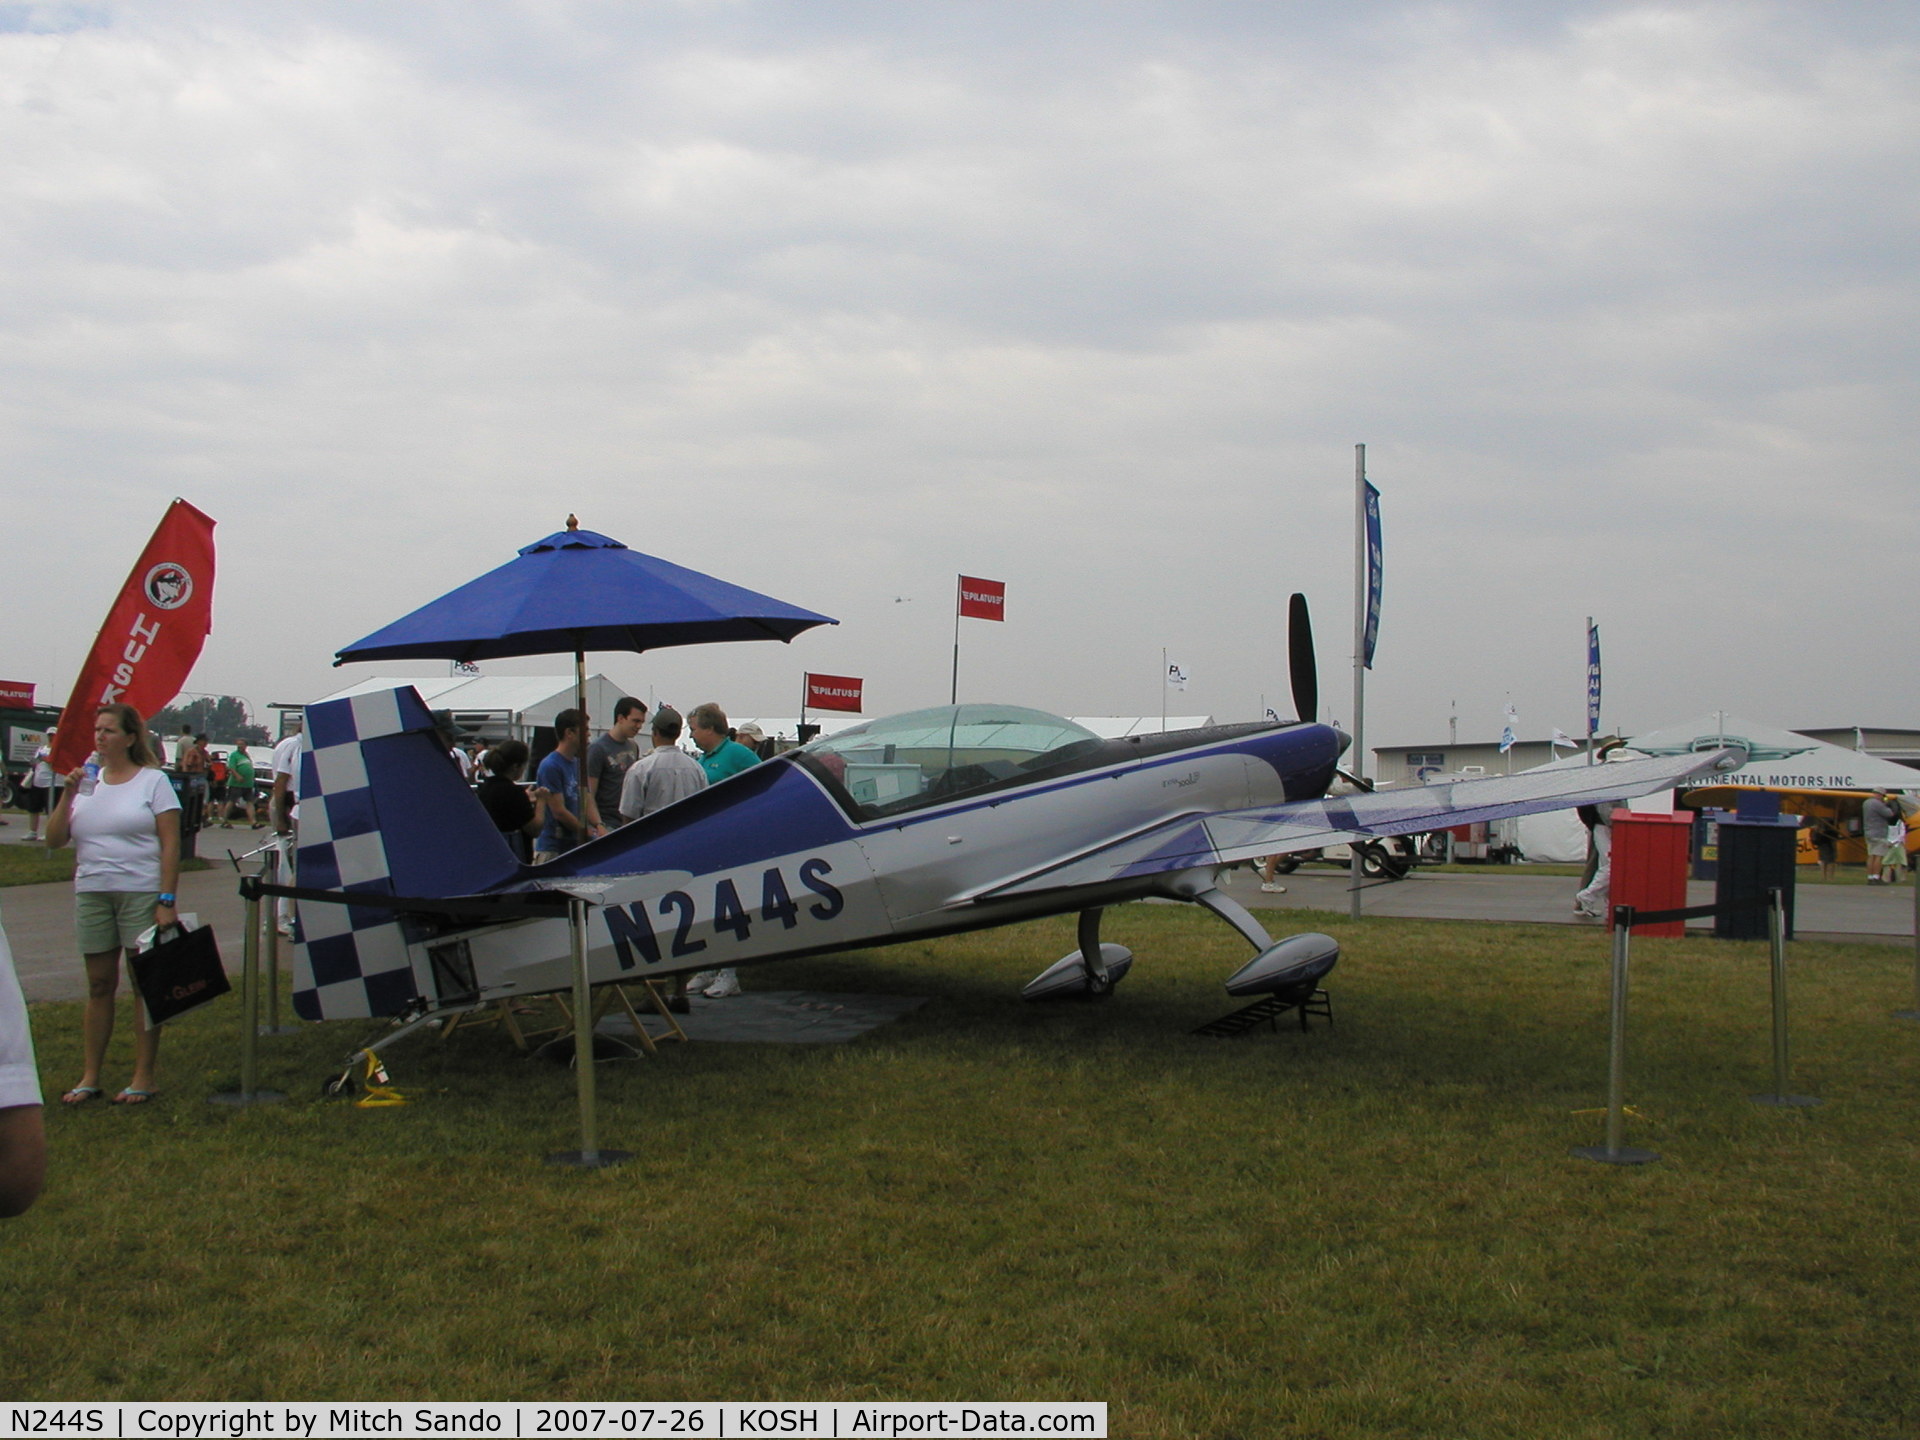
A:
<point x="80" y="1094"/>
<point x="131" y="1096"/>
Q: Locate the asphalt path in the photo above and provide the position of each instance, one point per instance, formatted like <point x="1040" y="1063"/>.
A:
<point x="39" y="918"/>
<point x="1502" y="894"/>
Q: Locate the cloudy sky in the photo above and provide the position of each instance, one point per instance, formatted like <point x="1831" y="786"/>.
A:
<point x="837" y="300"/>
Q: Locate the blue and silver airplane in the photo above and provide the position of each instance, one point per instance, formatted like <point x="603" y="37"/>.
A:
<point x="923" y="824"/>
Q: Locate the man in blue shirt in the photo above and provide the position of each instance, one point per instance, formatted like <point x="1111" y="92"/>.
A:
<point x="719" y="756"/>
<point x="557" y="788"/>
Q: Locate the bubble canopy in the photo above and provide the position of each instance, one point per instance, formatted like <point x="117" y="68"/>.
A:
<point x="926" y="757"/>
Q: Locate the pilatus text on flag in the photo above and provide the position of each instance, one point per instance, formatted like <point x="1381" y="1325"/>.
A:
<point x="834" y="692"/>
<point x="983" y="599"/>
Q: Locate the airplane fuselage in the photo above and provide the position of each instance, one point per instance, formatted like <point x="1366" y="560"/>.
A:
<point x="783" y="861"/>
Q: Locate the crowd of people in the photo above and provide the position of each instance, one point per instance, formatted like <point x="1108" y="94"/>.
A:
<point x="124" y="815"/>
<point x="214" y="786"/>
<point x="626" y="780"/>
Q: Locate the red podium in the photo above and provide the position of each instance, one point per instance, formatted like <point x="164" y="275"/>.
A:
<point x="1650" y="854"/>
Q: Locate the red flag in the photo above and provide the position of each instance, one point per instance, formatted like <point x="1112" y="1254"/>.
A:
<point x="153" y="632"/>
<point x="983" y="599"/>
<point x="833" y="692"/>
<point x="17" y="693"/>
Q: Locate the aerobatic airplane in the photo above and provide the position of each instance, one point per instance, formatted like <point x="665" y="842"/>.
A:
<point x="943" y="820"/>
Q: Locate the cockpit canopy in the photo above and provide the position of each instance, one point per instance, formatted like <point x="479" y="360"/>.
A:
<point x="927" y="757"/>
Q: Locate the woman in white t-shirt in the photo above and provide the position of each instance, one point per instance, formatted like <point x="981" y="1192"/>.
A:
<point x="126" y="842"/>
<point x="39" y="796"/>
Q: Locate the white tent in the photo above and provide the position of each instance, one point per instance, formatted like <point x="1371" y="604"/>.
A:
<point x="1777" y="758"/>
<point x="498" y="705"/>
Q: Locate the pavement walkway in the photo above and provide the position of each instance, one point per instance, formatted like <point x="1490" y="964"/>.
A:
<point x="39" y="919"/>
<point x="1821" y="912"/>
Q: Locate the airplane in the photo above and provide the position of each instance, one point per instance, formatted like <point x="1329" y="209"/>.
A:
<point x="929" y="823"/>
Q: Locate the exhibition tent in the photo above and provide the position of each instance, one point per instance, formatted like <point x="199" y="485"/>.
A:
<point x="1777" y="759"/>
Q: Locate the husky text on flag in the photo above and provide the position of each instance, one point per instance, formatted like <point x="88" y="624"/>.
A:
<point x="153" y="633"/>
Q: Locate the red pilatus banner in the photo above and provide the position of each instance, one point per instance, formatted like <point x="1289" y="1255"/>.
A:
<point x="153" y="633"/>
<point x="983" y="599"/>
<point x="833" y="692"/>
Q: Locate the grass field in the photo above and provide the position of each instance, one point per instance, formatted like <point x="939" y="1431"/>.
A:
<point x="1369" y="1231"/>
<point x="36" y="865"/>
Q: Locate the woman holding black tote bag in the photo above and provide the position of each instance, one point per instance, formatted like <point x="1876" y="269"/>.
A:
<point x="124" y="819"/>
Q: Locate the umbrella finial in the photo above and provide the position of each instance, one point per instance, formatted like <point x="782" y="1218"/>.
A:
<point x="573" y="522"/>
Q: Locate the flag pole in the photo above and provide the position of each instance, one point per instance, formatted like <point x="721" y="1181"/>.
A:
<point x="954" y="697"/>
<point x="800" y="727"/>
<point x="1164" y="679"/>
<point x="1593" y="720"/>
<point x="1359" y="657"/>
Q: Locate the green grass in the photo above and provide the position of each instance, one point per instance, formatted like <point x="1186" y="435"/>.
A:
<point x="1369" y="1231"/>
<point x="37" y="865"/>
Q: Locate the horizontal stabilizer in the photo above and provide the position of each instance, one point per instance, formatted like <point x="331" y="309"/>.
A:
<point x="1191" y="843"/>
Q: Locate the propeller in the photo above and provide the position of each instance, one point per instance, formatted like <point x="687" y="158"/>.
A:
<point x="1300" y="664"/>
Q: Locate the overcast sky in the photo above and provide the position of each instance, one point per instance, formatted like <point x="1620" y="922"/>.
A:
<point x="837" y="300"/>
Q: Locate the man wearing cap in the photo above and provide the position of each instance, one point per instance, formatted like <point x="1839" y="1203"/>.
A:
<point x="1876" y="820"/>
<point x="664" y="774"/>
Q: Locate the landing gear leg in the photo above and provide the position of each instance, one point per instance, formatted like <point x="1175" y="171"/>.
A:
<point x="1234" y="913"/>
<point x="1099" y="981"/>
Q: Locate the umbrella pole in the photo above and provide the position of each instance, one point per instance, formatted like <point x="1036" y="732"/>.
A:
<point x="589" y="1156"/>
<point x="580" y="760"/>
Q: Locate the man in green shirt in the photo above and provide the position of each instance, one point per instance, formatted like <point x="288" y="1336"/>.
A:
<point x="719" y="756"/>
<point x="240" y="787"/>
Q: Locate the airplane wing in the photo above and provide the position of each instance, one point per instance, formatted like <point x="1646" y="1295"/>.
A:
<point x="1189" y="842"/>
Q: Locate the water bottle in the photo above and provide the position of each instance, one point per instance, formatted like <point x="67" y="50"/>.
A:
<point x="90" y="775"/>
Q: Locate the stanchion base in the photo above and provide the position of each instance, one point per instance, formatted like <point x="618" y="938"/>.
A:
<point x="1625" y="1155"/>
<point x="1787" y="1100"/>
<point x="1906" y="1014"/>
<point x="242" y="1097"/>
<point x="590" y="1159"/>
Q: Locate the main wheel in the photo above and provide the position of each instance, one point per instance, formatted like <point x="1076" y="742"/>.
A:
<point x="1377" y="863"/>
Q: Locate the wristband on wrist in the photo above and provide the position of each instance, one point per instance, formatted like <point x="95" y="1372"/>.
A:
<point x="167" y="899"/>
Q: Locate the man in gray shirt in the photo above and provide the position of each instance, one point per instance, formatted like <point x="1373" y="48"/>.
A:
<point x="608" y="760"/>
<point x="665" y="774"/>
<point x="1876" y="819"/>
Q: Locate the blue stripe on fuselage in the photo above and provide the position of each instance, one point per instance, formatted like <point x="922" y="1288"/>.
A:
<point x="1303" y="757"/>
<point x="778" y="809"/>
<point x="771" y="810"/>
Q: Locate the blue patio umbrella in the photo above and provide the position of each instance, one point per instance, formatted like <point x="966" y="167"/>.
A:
<point x="578" y="591"/>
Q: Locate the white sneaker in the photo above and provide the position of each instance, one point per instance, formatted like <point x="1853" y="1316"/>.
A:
<point x="725" y="986"/>
<point x="698" y="981"/>
<point x="1272" y="887"/>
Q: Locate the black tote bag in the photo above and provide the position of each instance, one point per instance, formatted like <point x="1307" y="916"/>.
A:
<point x="180" y="971"/>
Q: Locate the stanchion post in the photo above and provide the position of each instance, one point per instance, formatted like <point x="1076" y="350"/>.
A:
<point x="1616" y="1151"/>
<point x="275" y="870"/>
<point x="589" y="1156"/>
<point x="1914" y="1013"/>
<point x="1777" y="936"/>
<point x="249" y="1092"/>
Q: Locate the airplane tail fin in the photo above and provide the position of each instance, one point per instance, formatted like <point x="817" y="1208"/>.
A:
<point x="384" y="810"/>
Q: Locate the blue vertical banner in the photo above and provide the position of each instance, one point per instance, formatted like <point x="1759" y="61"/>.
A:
<point x="1373" y="575"/>
<point x="1593" y="679"/>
